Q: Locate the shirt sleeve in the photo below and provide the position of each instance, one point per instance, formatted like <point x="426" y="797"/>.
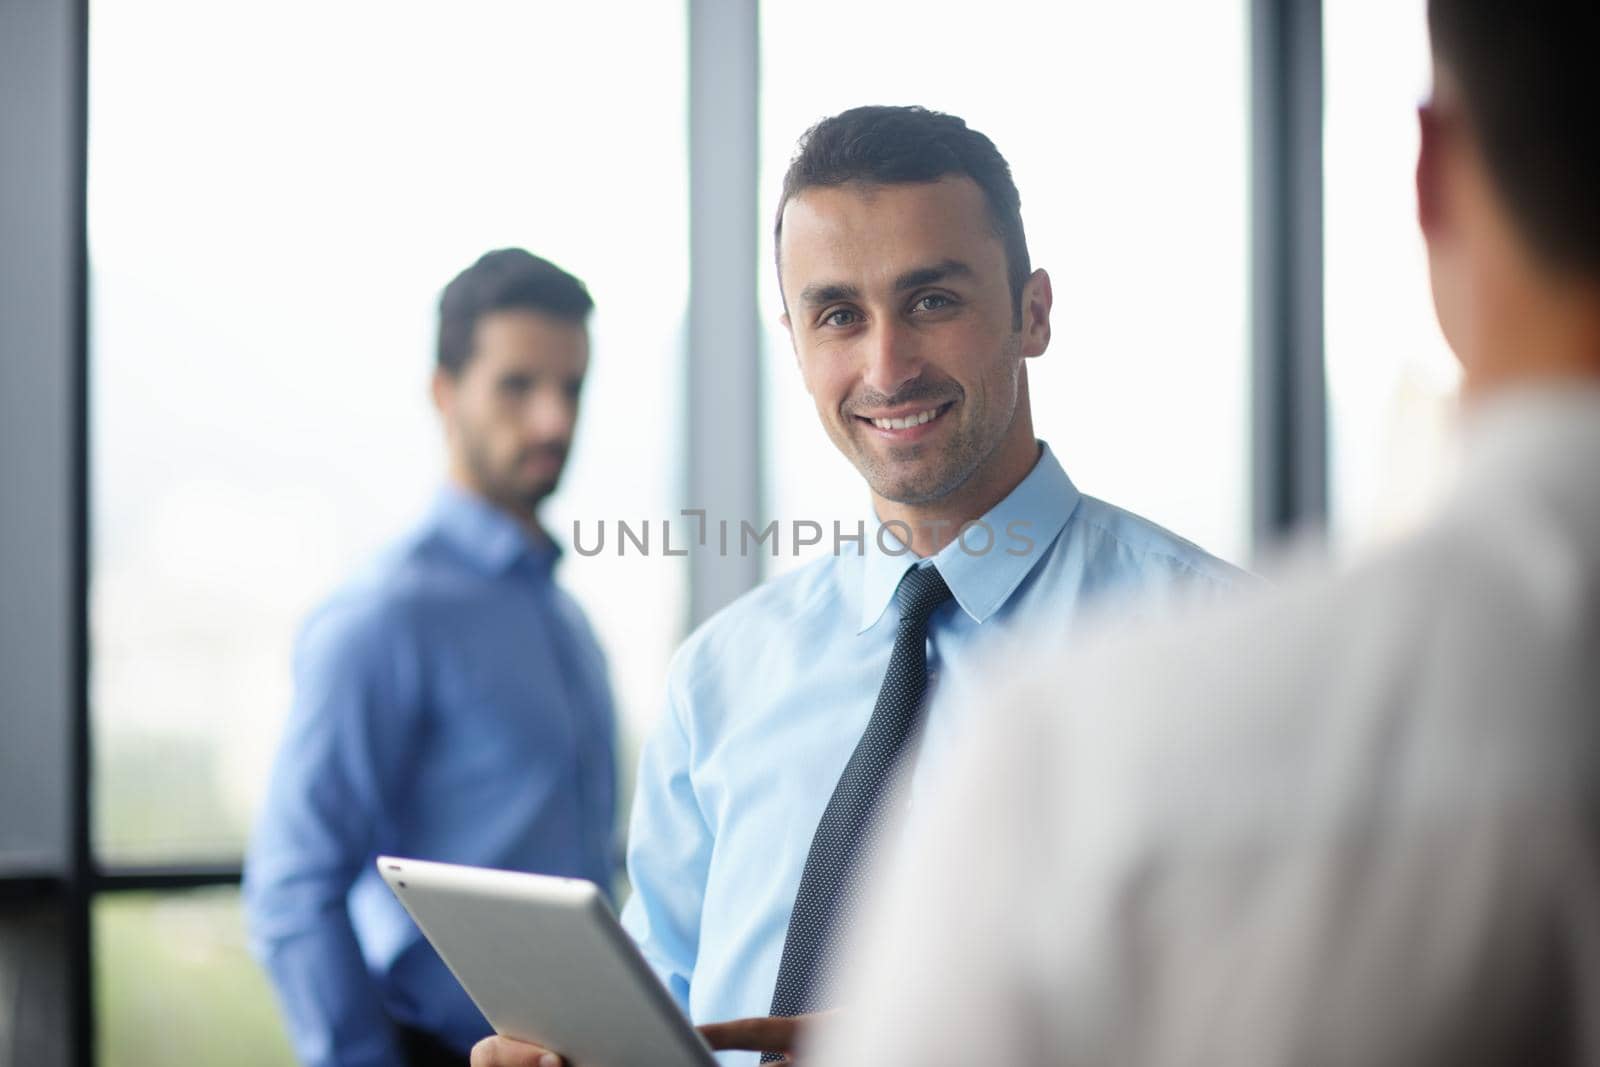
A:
<point x="669" y="853"/>
<point x="328" y="811"/>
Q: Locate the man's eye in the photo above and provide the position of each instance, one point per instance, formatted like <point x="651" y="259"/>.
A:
<point x="515" y="386"/>
<point x="840" y="317"/>
<point x="932" y="302"/>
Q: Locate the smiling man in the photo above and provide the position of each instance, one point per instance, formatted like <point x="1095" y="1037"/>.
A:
<point x="913" y="310"/>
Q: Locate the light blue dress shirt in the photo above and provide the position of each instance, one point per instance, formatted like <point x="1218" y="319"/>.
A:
<point x="450" y="704"/>
<point x="766" y="701"/>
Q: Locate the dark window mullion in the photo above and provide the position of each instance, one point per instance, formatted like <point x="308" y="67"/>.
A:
<point x="1289" y="409"/>
<point x="165" y="877"/>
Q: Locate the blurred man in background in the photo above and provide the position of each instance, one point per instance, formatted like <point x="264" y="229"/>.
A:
<point x="451" y="702"/>
<point x="1358" y="823"/>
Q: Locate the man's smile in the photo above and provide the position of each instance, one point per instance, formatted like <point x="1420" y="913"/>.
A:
<point x="906" y="423"/>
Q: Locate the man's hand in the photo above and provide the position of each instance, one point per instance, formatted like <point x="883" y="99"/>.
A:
<point x="504" y="1052"/>
<point x="766" y="1033"/>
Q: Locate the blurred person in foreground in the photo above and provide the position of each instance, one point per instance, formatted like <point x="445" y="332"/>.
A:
<point x="451" y="702"/>
<point x="914" y="312"/>
<point x="1357" y="822"/>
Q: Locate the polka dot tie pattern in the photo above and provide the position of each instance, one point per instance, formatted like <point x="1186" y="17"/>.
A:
<point x="827" y="884"/>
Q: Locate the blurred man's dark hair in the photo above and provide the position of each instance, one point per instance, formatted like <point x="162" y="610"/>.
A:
<point x="502" y="280"/>
<point x="896" y="145"/>
<point x="1529" y="76"/>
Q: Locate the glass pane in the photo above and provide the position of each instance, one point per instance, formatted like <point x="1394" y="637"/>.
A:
<point x="1391" y="379"/>
<point x="272" y="217"/>
<point x="174" y="983"/>
<point x="1125" y="126"/>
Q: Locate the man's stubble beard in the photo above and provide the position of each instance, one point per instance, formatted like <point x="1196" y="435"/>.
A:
<point x="962" y="455"/>
<point x="500" y="488"/>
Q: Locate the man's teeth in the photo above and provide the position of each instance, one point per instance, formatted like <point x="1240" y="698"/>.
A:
<point x="906" y="423"/>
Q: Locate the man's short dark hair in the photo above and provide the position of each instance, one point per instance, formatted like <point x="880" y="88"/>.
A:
<point x="896" y="145"/>
<point x="1530" y="82"/>
<point x="502" y="280"/>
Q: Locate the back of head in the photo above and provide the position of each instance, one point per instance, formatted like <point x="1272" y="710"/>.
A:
<point x="895" y="145"/>
<point x="1528" y="76"/>
<point x="502" y="280"/>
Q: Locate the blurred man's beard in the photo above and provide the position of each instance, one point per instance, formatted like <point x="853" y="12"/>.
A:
<point x="500" y="484"/>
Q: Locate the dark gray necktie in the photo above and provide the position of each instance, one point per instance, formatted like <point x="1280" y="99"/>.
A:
<point x="827" y="885"/>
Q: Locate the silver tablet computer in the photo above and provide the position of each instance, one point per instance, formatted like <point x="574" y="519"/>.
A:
<point x="545" y="961"/>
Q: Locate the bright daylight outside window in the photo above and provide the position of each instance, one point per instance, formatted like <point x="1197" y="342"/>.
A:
<point x="1391" y="380"/>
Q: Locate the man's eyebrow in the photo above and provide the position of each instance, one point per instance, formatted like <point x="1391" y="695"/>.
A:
<point x="817" y="295"/>
<point x="950" y="268"/>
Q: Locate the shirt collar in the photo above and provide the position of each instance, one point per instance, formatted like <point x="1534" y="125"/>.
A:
<point x="1018" y="531"/>
<point x="1528" y="419"/>
<point x="1539" y="437"/>
<point x="487" y="536"/>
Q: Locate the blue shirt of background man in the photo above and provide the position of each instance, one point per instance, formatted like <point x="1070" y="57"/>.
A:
<point x="450" y="704"/>
<point x="766" y="701"/>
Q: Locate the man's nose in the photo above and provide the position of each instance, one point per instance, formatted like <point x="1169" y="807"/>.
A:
<point x="891" y="358"/>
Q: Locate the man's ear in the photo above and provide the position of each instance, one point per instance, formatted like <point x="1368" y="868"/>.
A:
<point x="1037" y="299"/>
<point x="443" y="390"/>
<point x="1431" y="171"/>
<point x="788" y="328"/>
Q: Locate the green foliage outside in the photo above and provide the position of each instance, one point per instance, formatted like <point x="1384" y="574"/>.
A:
<point x="175" y="984"/>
